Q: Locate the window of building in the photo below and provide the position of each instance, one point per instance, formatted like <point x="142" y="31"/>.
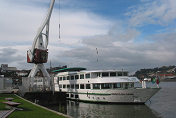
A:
<point x="112" y="74"/>
<point x="68" y="86"/>
<point x="72" y="86"/>
<point x="68" y="77"/>
<point x="63" y="78"/>
<point x="87" y="86"/>
<point x="72" y="77"/>
<point x="87" y="75"/>
<point x="64" y="86"/>
<point x="96" y="86"/>
<point x="60" y="79"/>
<point x="106" y="86"/>
<point x="77" y="86"/>
<point x="76" y="76"/>
<point x="117" y="85"/>
<point x="81" y="86"/>
<point x="82" y="76"/>
<point x="105" y="74"/>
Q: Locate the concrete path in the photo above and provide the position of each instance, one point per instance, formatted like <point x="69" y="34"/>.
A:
<point x="5" y="113"/>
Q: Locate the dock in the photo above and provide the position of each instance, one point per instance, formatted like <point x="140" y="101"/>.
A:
<point x="29" y="109"/>
<point x="46" y="97"/>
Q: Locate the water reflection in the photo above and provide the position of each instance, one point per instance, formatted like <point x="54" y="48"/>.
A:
<point x="90" y="110"/>
<point x="162" y="105"/>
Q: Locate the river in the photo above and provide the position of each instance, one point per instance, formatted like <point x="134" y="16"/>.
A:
<point x="161" y="105"/>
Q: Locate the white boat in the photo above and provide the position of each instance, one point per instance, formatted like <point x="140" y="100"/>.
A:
<point x="107" y="86"/>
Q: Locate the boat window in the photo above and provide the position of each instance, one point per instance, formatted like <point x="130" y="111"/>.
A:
<point x="82" y="76"/>
<point x="131" y="85"/>
<point x="112" y="74"/>
<point x="125" y="73"/>
<point x="87" y="75"/>
<point x="105" y="74"/>
<point x="117" y="85"/>
<point x="60" y="86"/>
<point x="96" y="86"/>
<point x="63" y="78"/>
<point x="60" y="78"/>
<point x="81" y="86"/>
<point x="98" y="74"/>
<point x="106" y="86"/>
<point x="72" y="77"/>
<point x="68" y="77"/>
<point x="76" y="96"/>
<point x="72" y="86"/>
<point x="68" y="86"/>
<point x="76" y="76"/>
<point x="119" y="73"/>
<point x="77" y="86"/>
<point x="64" y="86"/>
<point x="126" y="85"/>
<point x="87" y="86"/>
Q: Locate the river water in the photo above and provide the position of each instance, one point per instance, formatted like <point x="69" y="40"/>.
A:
<point x="161" y="105"/>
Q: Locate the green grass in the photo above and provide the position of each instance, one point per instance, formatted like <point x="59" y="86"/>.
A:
<point x="29" y="110"/>
<point x="2" y="99"/>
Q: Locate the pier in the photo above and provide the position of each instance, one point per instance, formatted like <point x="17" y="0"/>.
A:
<point x="46" y="97"/>
<point x="26" y="109"/>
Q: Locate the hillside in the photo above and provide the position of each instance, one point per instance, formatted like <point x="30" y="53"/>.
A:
<point x="164" y="72"/>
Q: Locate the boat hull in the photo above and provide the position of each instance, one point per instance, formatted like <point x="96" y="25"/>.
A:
<point x="123" y="96"/>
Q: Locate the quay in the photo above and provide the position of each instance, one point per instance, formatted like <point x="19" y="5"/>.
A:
<point x="46" y="97"/>
<point x="29" y="109"/>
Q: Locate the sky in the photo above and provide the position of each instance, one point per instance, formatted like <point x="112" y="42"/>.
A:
<point x="128" y="34"/>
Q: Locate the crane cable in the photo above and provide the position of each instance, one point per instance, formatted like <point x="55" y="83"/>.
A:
<point x="97" y="54"/>
<point x="59" y="21"/>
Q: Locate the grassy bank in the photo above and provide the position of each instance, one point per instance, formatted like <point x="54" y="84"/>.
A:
<point x="29" y="110"/>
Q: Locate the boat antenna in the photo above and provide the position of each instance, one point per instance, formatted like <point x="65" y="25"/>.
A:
<point x="59" y="21"/>
<point x="97" y="54"/>
<point x="50" y="65"/>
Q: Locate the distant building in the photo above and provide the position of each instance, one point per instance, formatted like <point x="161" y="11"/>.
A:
<point x="5" y="84"/>
<point x="22" y="73"/>
<point x="5" y="68"/>
<point x="166" y="75"/>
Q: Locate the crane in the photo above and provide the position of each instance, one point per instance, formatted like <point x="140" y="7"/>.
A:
<point x="38" y="54"/>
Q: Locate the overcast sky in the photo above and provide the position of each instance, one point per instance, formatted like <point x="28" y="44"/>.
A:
<point x="129" y="34"/>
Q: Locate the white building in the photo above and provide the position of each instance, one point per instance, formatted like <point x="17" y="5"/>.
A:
<point x="5" y="85"/>
<point x="4" y="68"/>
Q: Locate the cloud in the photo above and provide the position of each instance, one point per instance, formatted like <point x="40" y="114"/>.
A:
<point x="20" y="21"/>
<point x="161" y="12"/>
<point x="122" y="51"/>
<point x="83" y="31"/>
<point x="9" y="56"/>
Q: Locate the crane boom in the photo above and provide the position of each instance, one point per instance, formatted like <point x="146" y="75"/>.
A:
<point x="39" y="34"/>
